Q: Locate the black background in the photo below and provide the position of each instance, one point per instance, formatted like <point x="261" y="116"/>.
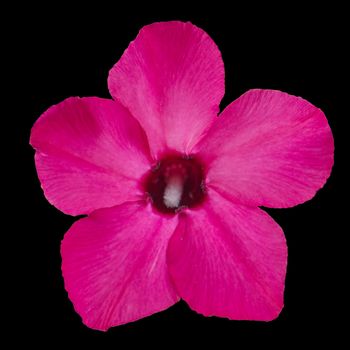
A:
<point x="66" y="52"/>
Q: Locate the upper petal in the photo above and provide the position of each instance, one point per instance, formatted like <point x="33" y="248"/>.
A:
<point x="171" y="77"/>
<point x="90" y="154"/>
<point x="229" y="260"/>
<point x="114" y="267"/>
<point x="269" y="148"/>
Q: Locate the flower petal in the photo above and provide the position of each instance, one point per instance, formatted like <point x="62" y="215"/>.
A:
<point x="229" y="260"/>
<point x="269" y="148"/>
<point x="114" y="266"/>
<point x="90" y="154"/>
<point x="171" y="78"/>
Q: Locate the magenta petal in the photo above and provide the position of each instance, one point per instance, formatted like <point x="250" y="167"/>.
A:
<point x="171" y="78"/>
<point x="229" y="260"/>
<point x="269" y="148"/>
<point x="114" y="266"/>
<point x="90" y="154"/>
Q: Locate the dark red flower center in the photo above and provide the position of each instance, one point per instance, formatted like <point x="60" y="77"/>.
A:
<point x="176" y="182"/>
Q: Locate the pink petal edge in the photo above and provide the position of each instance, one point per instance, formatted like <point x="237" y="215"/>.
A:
<point x="229" y="260"/>
<point x="171" y="78"/>
<point x="90" y="154"/>
<point x="114" y="265"/>
<point x="268" y="148"/>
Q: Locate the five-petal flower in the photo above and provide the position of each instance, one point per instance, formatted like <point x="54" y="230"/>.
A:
<point x="172" y="192"/>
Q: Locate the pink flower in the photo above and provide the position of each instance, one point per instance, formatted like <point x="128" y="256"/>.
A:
<point x="172" y="192"/>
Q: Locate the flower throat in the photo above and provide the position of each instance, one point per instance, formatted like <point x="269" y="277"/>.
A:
<point x="176" y="182"/>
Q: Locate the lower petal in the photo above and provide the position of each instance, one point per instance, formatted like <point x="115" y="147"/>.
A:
<point x="229" y="260"/>
<point x="114" y="265"/>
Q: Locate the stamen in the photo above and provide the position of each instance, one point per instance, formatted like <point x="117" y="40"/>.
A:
<point x="176" y="183"/>
<point x="173" y="191"/>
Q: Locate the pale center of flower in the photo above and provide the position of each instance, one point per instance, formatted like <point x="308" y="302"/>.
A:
<point x="173" y="191"/>
<point x="176" y="182"/>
